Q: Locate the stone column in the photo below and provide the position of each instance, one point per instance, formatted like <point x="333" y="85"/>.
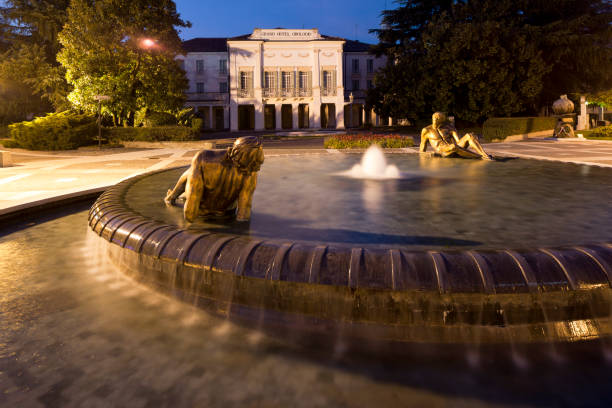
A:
<point x="278" y="109"/>
<point x="257" y="73"/>
<point x="295" y="118"/>
<point x="363" y="115"/>
<point x="314" y="110"/>
<point x="583" y="118"/>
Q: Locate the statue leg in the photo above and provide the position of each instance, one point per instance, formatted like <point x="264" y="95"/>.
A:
<point x="469" y="141"/>
<point x="178" y="189"/>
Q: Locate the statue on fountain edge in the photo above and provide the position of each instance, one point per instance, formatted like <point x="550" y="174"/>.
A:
<point x="445" y="141"/>
<point x="220" y="184"/>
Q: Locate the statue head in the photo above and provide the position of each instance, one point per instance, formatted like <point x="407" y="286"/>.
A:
<point x="246" y="154"/>
<point x="438" y="118"/>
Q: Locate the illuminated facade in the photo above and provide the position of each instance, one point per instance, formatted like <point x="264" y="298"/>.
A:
<point x="280" y="79"/>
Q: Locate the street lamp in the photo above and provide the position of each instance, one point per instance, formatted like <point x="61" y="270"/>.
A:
<point x="147" y="43"/>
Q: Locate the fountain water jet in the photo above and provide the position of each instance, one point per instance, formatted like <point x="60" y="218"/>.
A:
<point x="374" y="166"/>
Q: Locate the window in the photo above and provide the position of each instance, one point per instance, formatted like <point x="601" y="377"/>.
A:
<point x="246" y="84"/>
<point x="269" y="85"/>
<point x="200" y="87"/>
<point x="328" y="82"/>
<point x="181" y="64"/>
<point x="355" y="85"/>
<point x="223" y="66"/>
<point x="287" y="83"/>
<point x="355" y="66"/>
<point x="304" y="83"/>
<point x="370" y="84"/>
<point x="370" y="66"/>
<point x="199" y="66"/>
<point x="223" y="87"/>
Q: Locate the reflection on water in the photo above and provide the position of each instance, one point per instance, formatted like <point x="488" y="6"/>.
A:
<point x="74" y="332"/>
<point x="513" y="203"/>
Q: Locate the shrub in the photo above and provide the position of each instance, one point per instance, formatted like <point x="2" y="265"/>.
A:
<point x="603" y="132"/>
<point x="56" y="131"/>
<point x="154" y="134"/>
<point x="184" y="117"/>
<point x="155" y="119"/>
<point x="197" y="124"/>
<point x="363" y="141"/>
<point x="500" y="128"/>
<point x="9" y="143"/>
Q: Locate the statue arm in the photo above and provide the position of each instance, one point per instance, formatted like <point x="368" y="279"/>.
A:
<point x="245" y="198"/>
<point x="424" y="140"/>
<point x="194" y="189"/>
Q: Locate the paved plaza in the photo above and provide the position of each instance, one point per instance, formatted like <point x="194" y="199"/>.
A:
<point x="37" y="176"/>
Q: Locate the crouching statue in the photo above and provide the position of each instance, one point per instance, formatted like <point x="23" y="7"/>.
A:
<point x="445" y="141"/>
<point x="220" y="184"/>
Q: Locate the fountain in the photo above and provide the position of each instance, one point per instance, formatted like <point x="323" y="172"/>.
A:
<point x="374" y="166"/>
<point x="367" y="287"/>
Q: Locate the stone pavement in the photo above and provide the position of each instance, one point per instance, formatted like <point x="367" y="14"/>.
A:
<point x="38" y="176"/>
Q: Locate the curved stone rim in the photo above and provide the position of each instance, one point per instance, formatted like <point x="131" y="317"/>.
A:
<point x="491" y="271"/>
<point x="293" y="288"/>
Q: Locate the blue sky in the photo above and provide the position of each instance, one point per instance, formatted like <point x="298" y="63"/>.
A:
<point x="343" y="18"/>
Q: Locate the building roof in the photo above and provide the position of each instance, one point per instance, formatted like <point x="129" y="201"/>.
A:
<point x="356" y="46"/>
<point x="205" y="45"/>
<point x="220" y="44"/>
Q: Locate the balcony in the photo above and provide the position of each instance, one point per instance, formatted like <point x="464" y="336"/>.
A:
<point x="286" y="92"/>
<point x="207" y="97"/>
<point x="328" y="91"/>
<point x="245" y="92"/>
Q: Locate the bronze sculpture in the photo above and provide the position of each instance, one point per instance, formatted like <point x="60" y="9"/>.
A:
<point x="445" y="141"/>
<point x="220" y="184"/>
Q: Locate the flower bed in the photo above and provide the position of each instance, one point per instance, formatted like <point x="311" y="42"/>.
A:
<point x="363" y="141"/>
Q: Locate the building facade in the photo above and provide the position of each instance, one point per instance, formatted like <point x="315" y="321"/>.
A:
<point x="279" y="79"/>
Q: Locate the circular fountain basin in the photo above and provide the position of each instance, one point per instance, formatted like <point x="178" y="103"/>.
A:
<point x="454" y="251"/>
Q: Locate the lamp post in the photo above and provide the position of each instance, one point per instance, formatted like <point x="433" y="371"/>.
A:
<point x="100" y="98"/>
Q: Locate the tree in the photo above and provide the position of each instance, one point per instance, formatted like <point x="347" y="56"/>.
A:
<point x="31" y="80"/>
<point x="482" y="58"/>
<point x="103" y="53"/>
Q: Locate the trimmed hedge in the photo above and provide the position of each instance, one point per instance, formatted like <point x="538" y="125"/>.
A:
<point x="56" y="131"/>
<point x="603" y="132"/>
<point x="156" y="119"/>
<point x="153" y="134"/>
<point x="197" y="124"/>
<point x="500" y="128"/>
<point x="363" y="141"/>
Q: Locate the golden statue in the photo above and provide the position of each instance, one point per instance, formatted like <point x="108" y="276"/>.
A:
<point x="220" y="184"/>
<point x="445" y="141"/>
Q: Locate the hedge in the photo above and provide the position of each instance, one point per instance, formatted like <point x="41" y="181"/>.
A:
<point x="363" y="141"/>
<point x="500" y="128"/>
<point x="56" y="131"/>
<point x="153" y="134"/>
<point x="603" y="132"/>
<point x="156" y="119"/>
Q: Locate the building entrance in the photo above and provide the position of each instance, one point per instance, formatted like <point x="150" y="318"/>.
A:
<point x="219" y="117"/>
<point x="328" y="115"/>
<point x="246" y="117"/>
<point x="287" y="117"/>
<point x="269" y="117"/>
<point x="303" y="116"/>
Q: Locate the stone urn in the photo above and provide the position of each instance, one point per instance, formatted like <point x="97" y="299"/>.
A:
<point x="563" y="106"/>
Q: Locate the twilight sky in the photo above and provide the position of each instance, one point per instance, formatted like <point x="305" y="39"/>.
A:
<point x="349" y="19"/>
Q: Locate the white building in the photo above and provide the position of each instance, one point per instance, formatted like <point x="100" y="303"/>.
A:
<point x="280" y="79"/>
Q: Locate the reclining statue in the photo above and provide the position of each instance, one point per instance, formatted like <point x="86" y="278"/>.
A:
<point x="445" y="141"/>
<point x="220" y="184"/>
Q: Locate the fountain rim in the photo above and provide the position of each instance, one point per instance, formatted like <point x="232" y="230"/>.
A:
<point x="109" y="218"/>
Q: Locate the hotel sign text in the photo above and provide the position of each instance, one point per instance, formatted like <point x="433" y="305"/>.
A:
<point x="285" y="35"/>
